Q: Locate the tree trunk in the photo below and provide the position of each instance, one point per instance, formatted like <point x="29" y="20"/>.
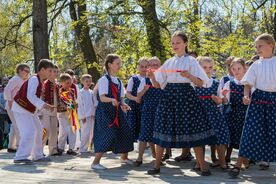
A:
<point x="152" y="28"/>
<point x="195" y="27"/>
<point x="83" y="37"/>
<point x="40" y="31"/>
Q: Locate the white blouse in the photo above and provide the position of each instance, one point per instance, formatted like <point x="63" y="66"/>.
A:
<point x="130" y="83"/>
<point x="180" y="63"/>
<point x="104" y="85"/>
<point x="262" y="75"/>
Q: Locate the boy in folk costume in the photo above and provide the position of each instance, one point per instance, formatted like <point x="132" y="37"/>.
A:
<point x="49" y="118"/>
<point x="68" y="120"/>
<point x="26" y="103"/>
<point x="76" y="89"/>
<point x="86" y="111"/>
<point x="14" y="84"/>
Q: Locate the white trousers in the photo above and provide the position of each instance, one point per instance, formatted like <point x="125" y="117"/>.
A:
<point x="65" y="130"/>
<point x="87" y="129"/>
<point x="50" y="123"/>
<point x="30" y="131"/>
<point x="14" y="132"/>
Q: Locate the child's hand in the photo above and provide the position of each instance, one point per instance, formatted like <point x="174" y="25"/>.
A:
<point x="137" y="100"/>
<point x="83" y="120"/>
<point x="186" y="74"/>
<point x="150" y="73"/>
<point x="125" y="107"/>
<point x="146" y="87"/>
<point x="216" y="99"/>
<point x="114" y="102"/>
<point x="48" y="107"/>
<point x="225" y="92"/>
<point x="246" y="100"/>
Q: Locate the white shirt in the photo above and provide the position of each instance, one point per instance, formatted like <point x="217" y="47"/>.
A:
<point x="31" y="96"/>
<point x="180" y="63"/>
<point x="86" y="105"/>
<point x="130" y="83"/>
<point x="12" y="88"/>
<point x="104" y="85"/>
<point x="262" y="75"/>
<point x="141" y="85"/>
<point x="227" y="87"/>
<point x="222" y="82"/>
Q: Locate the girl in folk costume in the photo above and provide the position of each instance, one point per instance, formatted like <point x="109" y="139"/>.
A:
<point x="86" y="111"/>
<point x="14" y="84"/>
<point x="180" y="120"/>
<point x="225" y="107"/>
<point x="111" y="131"/>
<point x="233" y="94"/>
<point x="25" y="106"/>
<point x="68" y="120"/>
<point x="49" y="118"/>
<point x="133" y="116"/>
<point x="150" y="97"/>
<point x="210" y="98"/>
<point x="258" y="137"/>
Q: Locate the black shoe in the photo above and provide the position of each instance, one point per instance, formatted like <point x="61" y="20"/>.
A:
<point x="264" y="166"/>
<point x="71" y="152"/>
<point x="9" y="150"/>
<point x="153" y="171"/>
<point x="23" y="161"/>
<point x="206" y="173"/>
<point x="165" y="157"/>
<point x="57" y="154"/>
<point x="234" y="172"/>
<point x="137" y="163"/>
<point x="196" y="168"/>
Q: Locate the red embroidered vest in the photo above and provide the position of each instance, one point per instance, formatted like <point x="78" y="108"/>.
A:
<point x="48" y="96"/>
<point x="21" y="96"/>
<point x="74" y="86"/>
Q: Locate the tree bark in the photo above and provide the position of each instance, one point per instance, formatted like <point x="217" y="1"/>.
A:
<point x="82" y="34"/>
<point x="40" y="31"/>
<point x="152" y="28"/>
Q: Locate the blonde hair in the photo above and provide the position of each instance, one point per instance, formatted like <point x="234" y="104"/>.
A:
<point x="143" y="59"/>
<point x="238" y="61"/>
<point x="154" y="58"/>
<point x="268" y="38"/>
<point x="86" y="76"/>
<point x="201" y="59"/>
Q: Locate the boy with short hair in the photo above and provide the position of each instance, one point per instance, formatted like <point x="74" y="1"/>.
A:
<point x="25" y="106"/>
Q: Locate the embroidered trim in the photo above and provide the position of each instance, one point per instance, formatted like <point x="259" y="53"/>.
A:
<point x="183" y="138"/>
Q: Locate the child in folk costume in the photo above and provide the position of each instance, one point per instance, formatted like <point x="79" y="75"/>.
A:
<point x="76" y="89"/>
<point x="111" y="131"/>
<point x="14" y="84"/>
<point x="233" y="94"/>
<point x="49" y="118"/>
<point x="86" y="111"/>
<point x="180" y="120"/>
<point x="211" y="97"/>
<point x="26" y="103"/>
<point x="67" y="117"/>
<point x="150" y="97"/>
<point x="258" y="137"/>
<point x="134" y="116"/>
